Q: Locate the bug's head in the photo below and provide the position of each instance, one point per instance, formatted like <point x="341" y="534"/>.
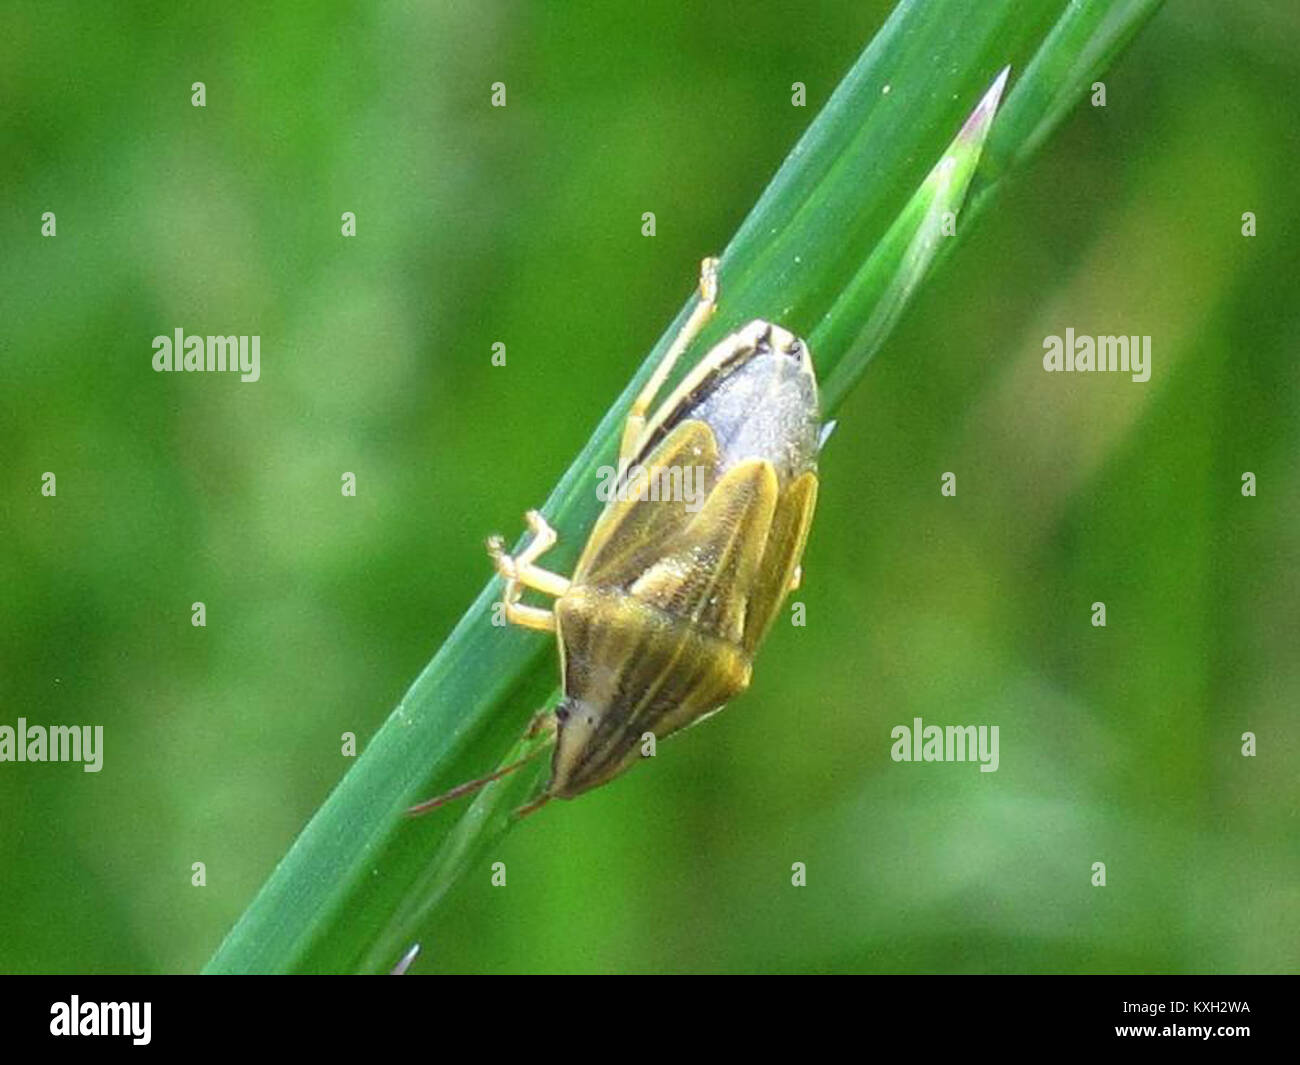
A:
<point x="785" y="343"/>
<point x="576" y="720"/>
<point x="586" y="754"/>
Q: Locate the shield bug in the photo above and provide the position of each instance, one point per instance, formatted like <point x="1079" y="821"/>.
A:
<point x="674" y="590"/>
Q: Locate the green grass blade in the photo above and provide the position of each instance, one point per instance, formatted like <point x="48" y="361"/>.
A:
<point x="834" y="250"/>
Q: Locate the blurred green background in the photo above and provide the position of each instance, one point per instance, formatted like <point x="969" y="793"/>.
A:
<point x="522" y="225"/>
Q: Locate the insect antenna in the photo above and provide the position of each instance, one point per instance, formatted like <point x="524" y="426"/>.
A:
<point x="528" y="808"/>
<point x="470" y="786"/>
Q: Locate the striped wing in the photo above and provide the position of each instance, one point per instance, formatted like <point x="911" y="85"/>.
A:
<point x="706" y="574"/>
<point x="785" y="544"/>
<point x="631" y="534"/>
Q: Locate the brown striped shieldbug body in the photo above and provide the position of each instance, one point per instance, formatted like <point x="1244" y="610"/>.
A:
<point x="658" y="625"/>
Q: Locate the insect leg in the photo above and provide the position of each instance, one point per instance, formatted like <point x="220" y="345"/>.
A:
<point x="796" y="578"/>
<point x="520" y="569"/>
<point x="543" y="721"/>
<point x="530" y="617"/>
<point x="703" y="311"/>
<point x="520" y="572"/>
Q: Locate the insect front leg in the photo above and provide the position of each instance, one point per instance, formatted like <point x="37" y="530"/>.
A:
<point x="520" y="572"/>
<point x="636" y="417"/>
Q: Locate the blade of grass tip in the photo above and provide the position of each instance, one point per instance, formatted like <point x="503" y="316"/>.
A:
<point x="406" y="961"/>
<point x="899" y="263"/>
<point x="1078" y="50"/>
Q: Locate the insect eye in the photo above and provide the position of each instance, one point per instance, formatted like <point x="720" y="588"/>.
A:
<point x="561" y="713"/>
